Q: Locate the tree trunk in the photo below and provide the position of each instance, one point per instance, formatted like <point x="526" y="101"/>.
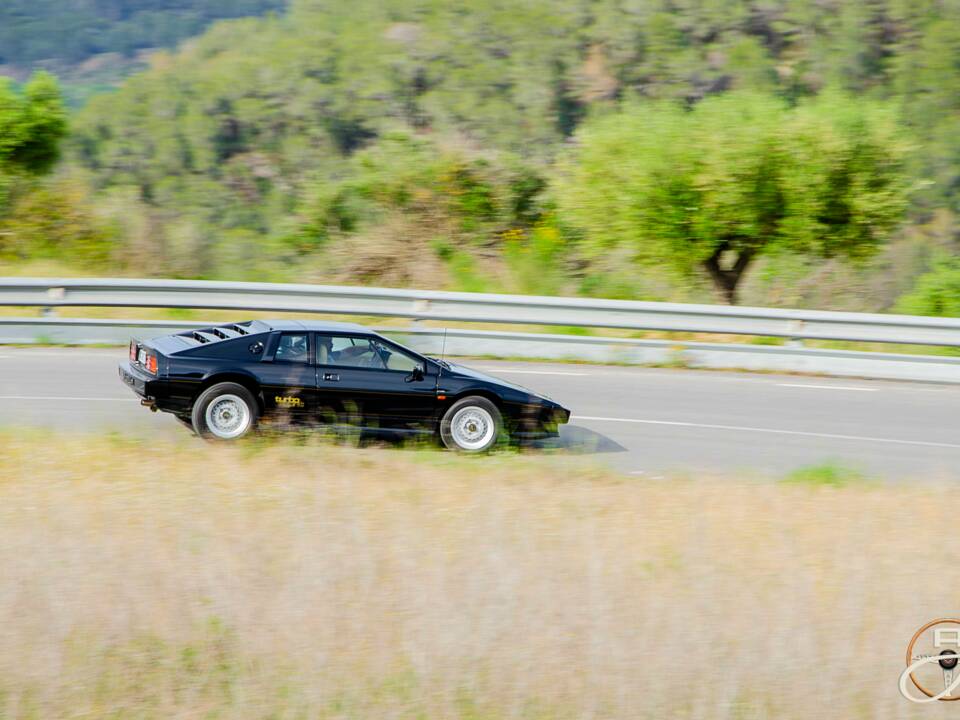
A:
<point x="725" y="280"/>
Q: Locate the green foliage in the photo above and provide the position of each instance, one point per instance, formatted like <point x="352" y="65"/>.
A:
<point x="827" y="474"/>
<point x="32" y="123"/>
<point x="404" y="173"/>
<point x="466" y="275"/>
<point x="415" y="141"/>
<point x="937" y="292"/>
<point x="536" y="259"/>
<point x="926" y="83"/>
<point x="737" y="176"/>
<point x="54" y="220"/>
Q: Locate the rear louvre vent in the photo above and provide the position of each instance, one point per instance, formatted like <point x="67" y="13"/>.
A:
<point x="201" y="337"/>
<point x="240" y="329"/>
<point x="219" y="333"/>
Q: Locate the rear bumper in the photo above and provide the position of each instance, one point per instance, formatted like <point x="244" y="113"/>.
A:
<point x="137" y="380"/>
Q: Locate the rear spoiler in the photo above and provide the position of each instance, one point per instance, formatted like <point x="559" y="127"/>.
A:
<point x="216" y="333"/>
<point x="189" y="339"/>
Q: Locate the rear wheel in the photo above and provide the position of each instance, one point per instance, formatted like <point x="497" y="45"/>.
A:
<point x="471" y="425"/>
<point x="225" y="411"/>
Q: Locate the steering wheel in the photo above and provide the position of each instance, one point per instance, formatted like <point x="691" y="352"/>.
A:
<point x="374" y="361"/>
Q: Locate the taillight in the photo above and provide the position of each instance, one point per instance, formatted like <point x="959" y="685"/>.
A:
<point x="150" y="363"/>
<point x="133" y="351"/>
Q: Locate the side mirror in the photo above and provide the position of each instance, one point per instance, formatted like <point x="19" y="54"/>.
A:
<point x="415" y="376"/>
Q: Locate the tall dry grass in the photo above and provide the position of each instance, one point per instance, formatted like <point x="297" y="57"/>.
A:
<point x="289" y="581"/>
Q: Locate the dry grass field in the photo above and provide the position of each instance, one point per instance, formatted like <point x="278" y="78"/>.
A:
<point x="286" y="580"/>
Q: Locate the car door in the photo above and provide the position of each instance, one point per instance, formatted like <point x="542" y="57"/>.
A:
<point x="368" y="381"/>
<point x="288" y="376"/>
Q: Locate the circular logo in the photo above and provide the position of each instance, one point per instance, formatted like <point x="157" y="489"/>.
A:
<point x="932" y="659"/>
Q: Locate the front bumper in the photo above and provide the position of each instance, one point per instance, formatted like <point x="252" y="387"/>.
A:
<point x="137" y="380"/>
<point x="540" y="421"/>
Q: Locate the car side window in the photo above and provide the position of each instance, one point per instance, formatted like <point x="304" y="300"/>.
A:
<point x="293" y="348"/>
<point x="345" y="350"/>
<point x="349" y="351"/>
<point x="397" y="359"/>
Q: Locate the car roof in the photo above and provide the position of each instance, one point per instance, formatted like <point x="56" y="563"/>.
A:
<point x="318" y="326"/>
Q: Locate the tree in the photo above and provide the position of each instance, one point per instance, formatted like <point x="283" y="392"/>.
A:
<point x="32" y="123"/>
<point x="927" y="87"/>
<point x="713" y="188"/>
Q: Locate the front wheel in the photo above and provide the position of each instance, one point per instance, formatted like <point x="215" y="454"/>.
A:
<point x="225" y="411"/>
<point x="472" y="424"/>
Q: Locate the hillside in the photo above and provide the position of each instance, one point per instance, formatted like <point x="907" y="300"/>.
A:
<point x="93" y="44"/>
<point x="413" y="142"/>
<point x="71" y="32"/>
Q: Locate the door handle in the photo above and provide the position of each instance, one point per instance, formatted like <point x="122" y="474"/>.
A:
<point x="333" y="377"/>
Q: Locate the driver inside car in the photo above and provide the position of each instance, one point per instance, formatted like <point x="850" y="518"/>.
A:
<point x="362" y="355"/>
<point x="325" y="353"/>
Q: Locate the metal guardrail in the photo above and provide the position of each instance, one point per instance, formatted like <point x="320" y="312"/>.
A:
<point x="542" y="346"/>
<point x="480" y="308"/>
<point x="51" y="294"/>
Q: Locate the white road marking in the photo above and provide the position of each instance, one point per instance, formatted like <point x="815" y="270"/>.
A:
<point x="771" y="431"/>
<point x="67" y="399"/>
<point x="852" y="388"/>
<point x="60" y="354"/>
<point x="529" y="372"/>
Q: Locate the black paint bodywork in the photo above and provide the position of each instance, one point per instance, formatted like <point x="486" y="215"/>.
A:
<point x="376" y="399"/>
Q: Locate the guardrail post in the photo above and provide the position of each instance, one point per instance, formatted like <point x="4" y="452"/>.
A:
<point x="796" y="327"/>
<point x="419" y="306"/>
<point x="54" y="293"/>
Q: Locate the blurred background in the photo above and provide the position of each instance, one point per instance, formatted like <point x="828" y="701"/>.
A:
<point x="782" y="153"/>
<point x="779" y="153"/>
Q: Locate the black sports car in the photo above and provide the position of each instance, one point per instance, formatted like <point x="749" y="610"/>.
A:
<point x="222" y="380"/>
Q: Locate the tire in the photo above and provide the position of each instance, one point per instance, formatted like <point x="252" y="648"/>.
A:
<point x="471" y="425"/>
<point x="225" y="411"/>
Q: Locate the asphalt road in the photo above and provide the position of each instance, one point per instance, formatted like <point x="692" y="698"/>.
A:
<point x="649" y="422"/>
